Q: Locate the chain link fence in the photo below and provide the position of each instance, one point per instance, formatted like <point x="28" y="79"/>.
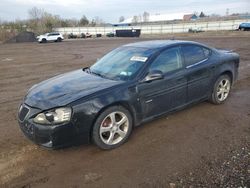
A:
<point x="158" y="29"/>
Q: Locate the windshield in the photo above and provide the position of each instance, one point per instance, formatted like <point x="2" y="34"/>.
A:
<point x="122" y="63"/>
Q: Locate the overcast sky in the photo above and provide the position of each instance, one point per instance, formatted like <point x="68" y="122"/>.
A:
<point x="111" y="10"/>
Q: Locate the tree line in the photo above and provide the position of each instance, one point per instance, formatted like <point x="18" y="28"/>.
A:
<point x="40" y="21"/>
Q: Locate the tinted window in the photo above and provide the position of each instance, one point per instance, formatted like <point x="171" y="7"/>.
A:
<point x="206" y="52"/>
<point x="167" y="61"/>
<point x="53" y="34"/>
<point x="194" y="54"/>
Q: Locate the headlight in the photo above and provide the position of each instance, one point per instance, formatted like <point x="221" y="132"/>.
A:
<point x="57" y="116"/>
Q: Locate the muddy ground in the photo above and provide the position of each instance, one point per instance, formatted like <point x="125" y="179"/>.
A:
<point x="202" y="146"/>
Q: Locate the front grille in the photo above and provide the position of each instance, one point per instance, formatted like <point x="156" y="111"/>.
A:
<point x="23" y="112"/>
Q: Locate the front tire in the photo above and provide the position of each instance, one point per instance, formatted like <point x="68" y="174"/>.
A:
<point x="221" y="90"/>
<point x="112" y="128"/>
<point x="44" y="40"/>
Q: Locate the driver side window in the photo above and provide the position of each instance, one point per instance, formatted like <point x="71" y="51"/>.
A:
<point x="169" y="60"/>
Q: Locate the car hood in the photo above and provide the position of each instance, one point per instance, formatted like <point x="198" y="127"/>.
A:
<point x="39" y="36"/>
<point x="66" y="88"/>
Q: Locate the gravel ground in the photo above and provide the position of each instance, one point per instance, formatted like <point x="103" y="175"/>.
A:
<point x="231" y="171"/>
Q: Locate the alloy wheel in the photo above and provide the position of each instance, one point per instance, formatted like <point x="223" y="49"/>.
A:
<point x="223" y="89"/>
<point x="114" y="128"/>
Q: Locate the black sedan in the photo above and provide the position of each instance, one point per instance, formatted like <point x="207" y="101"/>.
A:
<point x="130" y="85"/>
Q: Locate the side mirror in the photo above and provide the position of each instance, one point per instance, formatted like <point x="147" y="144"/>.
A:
<point x="153" y="75"/>
<point x="85" y="68"/>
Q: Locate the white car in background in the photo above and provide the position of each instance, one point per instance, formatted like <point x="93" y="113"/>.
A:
<point x="47" y="37"/>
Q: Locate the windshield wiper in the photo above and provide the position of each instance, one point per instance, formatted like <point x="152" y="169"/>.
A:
<point x="88" y="70"/>
<point x="96" y="73"/>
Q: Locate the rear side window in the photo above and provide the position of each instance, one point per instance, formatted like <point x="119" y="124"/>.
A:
<point x="194" y="54"/>
<point x="206" y="52"/>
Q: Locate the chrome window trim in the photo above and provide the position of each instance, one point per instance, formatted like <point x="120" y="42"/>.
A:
<point x="190" y="66"/>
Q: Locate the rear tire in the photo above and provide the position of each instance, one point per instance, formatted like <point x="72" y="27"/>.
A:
<point x="44" y="40"/>
<point x="221" y="90"/>
<point x="112" y="128"/>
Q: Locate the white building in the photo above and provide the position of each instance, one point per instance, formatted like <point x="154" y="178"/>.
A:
<point x="157" y="18"/>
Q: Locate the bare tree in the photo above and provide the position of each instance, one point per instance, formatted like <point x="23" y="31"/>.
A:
<point x="196" y="13"/>
<point x="140" y="18"/>
<point x="42" y="21"/>
<point x="98" y="21"/>
<point x="145" y="16"/>
<point x="93" y="23"/>
<point x="35" y="13"/>
<point x="121" y="19"/>
<point x="215" y="15"/>
<point x="202" y="15"/>
<point x="84" y="21"/>
<point x="135" y="19"/>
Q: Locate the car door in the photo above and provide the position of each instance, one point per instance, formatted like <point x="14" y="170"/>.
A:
<point x="199" y="71"/>
<point x="55" y="36"/>
<point x="160" y="96"/>
<point x="50" y="37"/>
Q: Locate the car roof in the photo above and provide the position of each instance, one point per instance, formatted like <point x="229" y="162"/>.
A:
<point x="157" y="44"/>
<point x="245" y="23"/>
